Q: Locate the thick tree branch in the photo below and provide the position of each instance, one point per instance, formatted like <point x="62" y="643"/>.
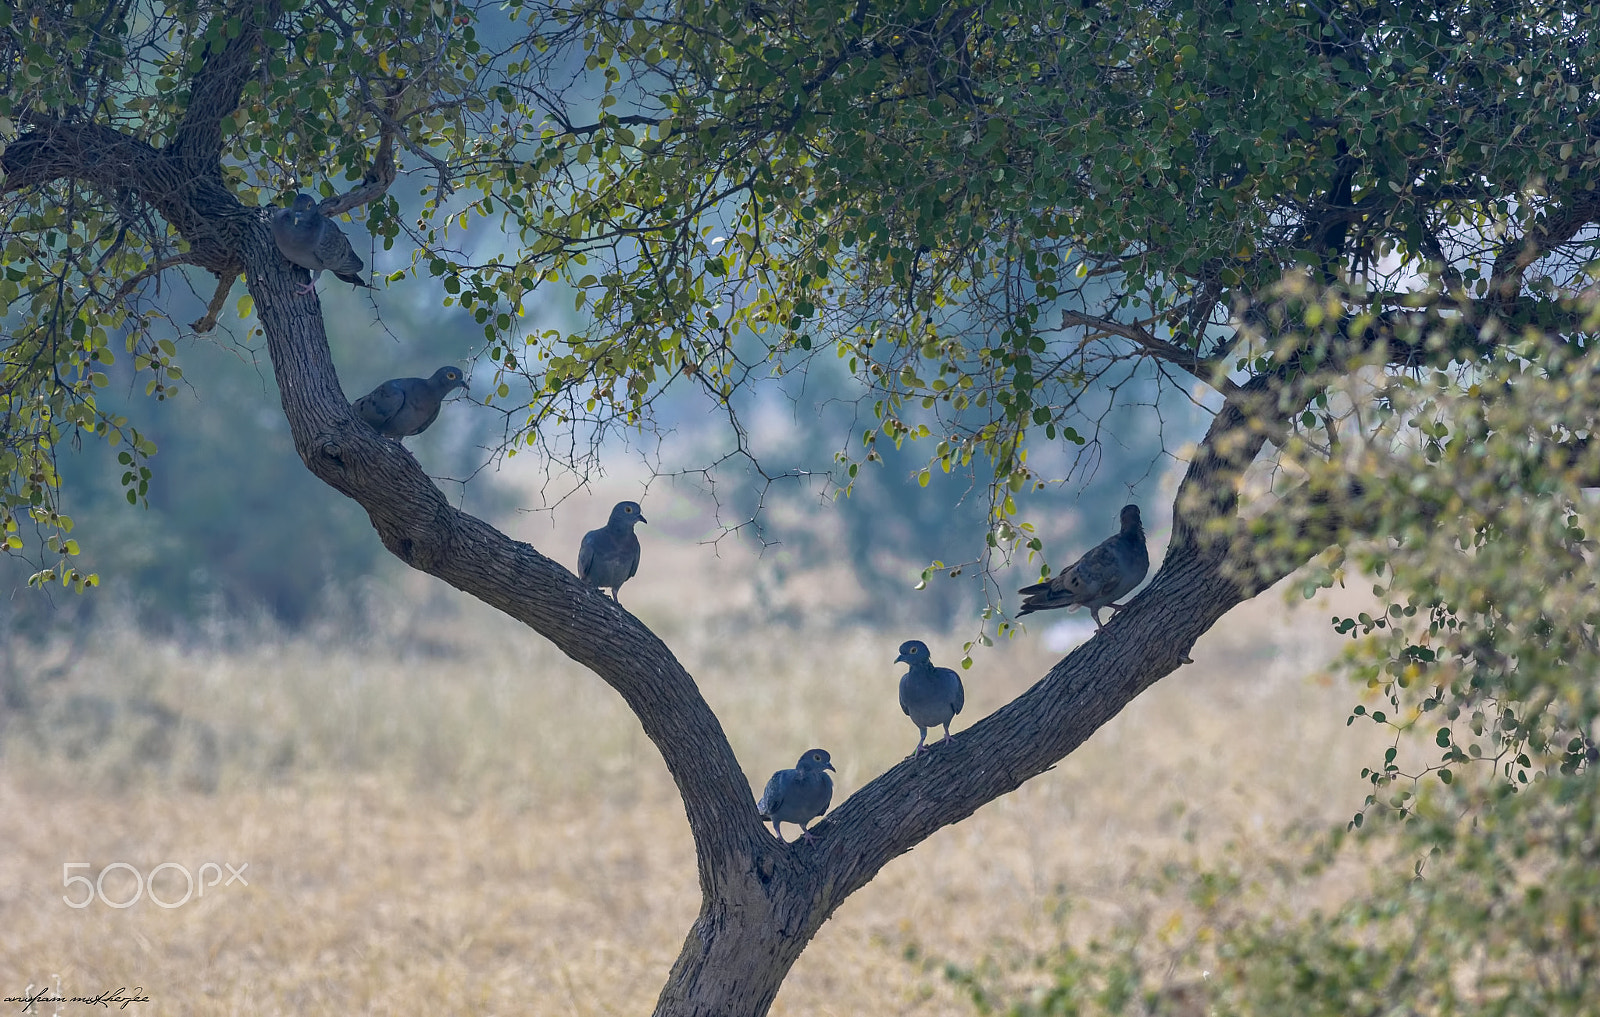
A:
<point x="417" y="523"/>
<point x="1560" y="222"/>
<point x="1143" y="643"/>
<point x="1208" y="498"/>
<point x="215" y="88"/>
<point x="219" y="298"/>
<point x="197" y="206"/>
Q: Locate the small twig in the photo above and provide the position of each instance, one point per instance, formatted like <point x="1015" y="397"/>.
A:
<point x="1202" y="368"/>
<point x="393" y="128"/>
<point x="208" y="321"/>
<point x="150" y="272"/>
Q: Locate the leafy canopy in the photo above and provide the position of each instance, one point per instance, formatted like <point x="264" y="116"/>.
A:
<point x="985" y="212"/>
<point x="727" y="190"/>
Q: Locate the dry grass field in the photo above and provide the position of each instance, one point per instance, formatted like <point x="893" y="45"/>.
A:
<point x="441" y="814"/>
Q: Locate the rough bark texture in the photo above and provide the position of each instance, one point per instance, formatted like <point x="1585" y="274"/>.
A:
<point x="763" y="900"/>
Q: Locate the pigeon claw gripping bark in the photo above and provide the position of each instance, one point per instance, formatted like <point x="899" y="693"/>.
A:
<point x="401" y="407"/>
<point x="1110" y="569"/>
<point x="798" y="795"/>
<point x="930" y="696"/>
<point x="311" y="240"/>
<point x="609" y="556"/>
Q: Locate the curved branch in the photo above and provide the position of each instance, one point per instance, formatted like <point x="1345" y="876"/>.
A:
<point x="417" y="523"/>
<point x="1140" y="645"/>
<point x="195" y="204"/>
<point x="1210" y="370"/>
<point x="215" y="89"/>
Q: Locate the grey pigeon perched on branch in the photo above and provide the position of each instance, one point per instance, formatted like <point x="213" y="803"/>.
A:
<point x="313" y="241"/>
<point x="1096" y="580"/>
<point x="930" y="696"/>
<point x="401" y="407"/>
<point x="799" y="795"/>
<point x="609" y="556"/>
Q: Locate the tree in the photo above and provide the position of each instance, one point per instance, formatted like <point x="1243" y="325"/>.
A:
<point x="1309" y="210"/>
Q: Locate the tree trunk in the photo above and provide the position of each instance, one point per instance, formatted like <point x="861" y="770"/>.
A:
<point x="740" y="949"/>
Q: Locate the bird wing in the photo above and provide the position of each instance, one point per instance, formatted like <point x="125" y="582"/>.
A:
<point x="905" y="687"/>
<point x="633" y="555"/>
<point x="772" y="798"/>
<point x="334" y="253"/>
<point x="958" y="692"/>
<point x="380" y="406"/>
<point x="586" y="558"/>
<point x="1089" y="578"/>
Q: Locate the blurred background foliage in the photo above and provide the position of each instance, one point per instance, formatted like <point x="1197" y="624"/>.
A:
<point x="1491" y="916"/>
<point x="233" y="526"/>
<point x="1476" y="852"/>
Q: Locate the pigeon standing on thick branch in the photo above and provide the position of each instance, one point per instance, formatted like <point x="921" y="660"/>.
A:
<point x="930" y="696"/>
<point x="1109" y="570"/>
<point x="799" y="795"/>
<point x="609" y="556"/>
<point x="401" y="407"/>
<point x="313" y="241"/>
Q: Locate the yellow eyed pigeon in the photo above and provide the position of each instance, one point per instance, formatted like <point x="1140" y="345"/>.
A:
<point x="401" y="407"/>
<point x="799" y="795"/>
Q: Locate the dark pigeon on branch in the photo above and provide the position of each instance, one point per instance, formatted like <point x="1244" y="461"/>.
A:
<point x="609" y="556"/>
<point x="1096" y="580"/>
<point x="401" y="407"/>
<point x="799" y="795"/>
<point x="930" y="696"/>
<point x="313" y="241"/>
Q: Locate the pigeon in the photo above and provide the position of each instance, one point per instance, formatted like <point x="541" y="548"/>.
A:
<point x="1096" y="580"/>
<point x="609" y="556"/>
<point x="401" y="407"/>
<point x="929" y="695"/>
<point x="799" y="795"/>
<point x="312" y="241"/>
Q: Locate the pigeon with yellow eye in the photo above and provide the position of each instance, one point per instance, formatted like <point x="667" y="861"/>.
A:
<point x="799" y="795"/>
<point x="401" y="407"/>
<point x="609" y="556"/>
<point x="930" y="696"/>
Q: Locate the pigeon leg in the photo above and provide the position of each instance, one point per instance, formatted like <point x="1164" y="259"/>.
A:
<point x="946" y="735"/>
<point x="306" y="288"/>
<point x="777" y="830"/>
<point x="922" y="736"/>
<point x="807" y="836"/>
<point x="1094" y="612"/>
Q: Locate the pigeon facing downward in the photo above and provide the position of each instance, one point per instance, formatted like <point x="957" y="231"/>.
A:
<point x="1096" y="580"/>
<point x="311" y="240"/>
<point x="799" y="795"/>
<point x="401" y="407"/>
<point x="930" y="696"/>
<point x="609" y="556"/>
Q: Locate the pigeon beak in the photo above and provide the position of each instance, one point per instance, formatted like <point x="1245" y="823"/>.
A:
<point x="642" y="519"/>
<point x="829" y="766"/>
<point x="902" y="659"/>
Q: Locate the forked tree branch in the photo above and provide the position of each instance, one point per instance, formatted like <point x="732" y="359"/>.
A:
<point x="762" y="900"/>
